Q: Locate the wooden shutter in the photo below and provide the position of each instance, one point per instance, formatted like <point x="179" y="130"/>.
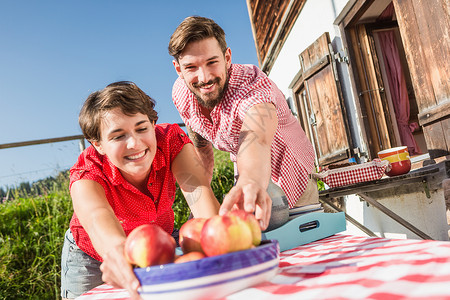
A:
<point x="371" y="95"/>
<point x="424" y="27"/>
<point x="320" y="104"/>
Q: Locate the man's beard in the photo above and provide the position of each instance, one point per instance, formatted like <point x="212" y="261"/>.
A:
<point x="211" y="102"/>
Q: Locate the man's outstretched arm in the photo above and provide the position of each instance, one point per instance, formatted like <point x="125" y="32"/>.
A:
<point x="254" y="164"/>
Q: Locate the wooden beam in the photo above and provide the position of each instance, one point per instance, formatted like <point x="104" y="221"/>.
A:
<point x="319" y="65"/>
<point x="50" y="140"/>
<point x="348" y="218"/>
<point x="435" y="113"/>
<point x="395" y="217"/>
<point x="42" y="141"/>
<point x="357" y="10"/>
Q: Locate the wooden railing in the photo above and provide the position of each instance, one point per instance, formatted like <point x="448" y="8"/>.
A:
<point x="79" y="137"/>
<point x="46" y="141"/>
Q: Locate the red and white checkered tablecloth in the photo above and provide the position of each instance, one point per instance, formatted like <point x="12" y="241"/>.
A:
<point x="348" y="267"/>
<point x="369" y="171"/>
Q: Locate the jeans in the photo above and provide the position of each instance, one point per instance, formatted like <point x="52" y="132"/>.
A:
<point x="79" y="272"/>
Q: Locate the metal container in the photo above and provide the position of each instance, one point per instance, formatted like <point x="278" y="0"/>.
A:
<point x="280" y="207"/>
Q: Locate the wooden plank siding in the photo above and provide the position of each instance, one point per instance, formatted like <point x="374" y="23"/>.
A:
<point x="266" y="16"/>
<point x="272" y="20"/>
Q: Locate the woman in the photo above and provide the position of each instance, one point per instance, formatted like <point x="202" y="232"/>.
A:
<point x="126" y="178"/>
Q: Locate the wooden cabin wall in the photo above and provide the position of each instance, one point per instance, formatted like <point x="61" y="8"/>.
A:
<point x="266" y="16"/>
<point x="272" y="20"/>
<point x="425" y="31"/>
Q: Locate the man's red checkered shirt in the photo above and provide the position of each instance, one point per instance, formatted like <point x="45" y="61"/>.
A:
<point x="131" y="207"/>
<point x="292" y="152"/>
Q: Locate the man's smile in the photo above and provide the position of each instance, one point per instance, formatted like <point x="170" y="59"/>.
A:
<point x="204" y="86"/>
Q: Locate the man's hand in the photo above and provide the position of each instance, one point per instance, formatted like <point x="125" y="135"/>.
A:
<point x="118" y="272"/>
<point x="251" y="197"/>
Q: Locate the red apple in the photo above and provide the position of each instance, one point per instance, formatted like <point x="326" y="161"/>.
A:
<point x="149" y="245"/>
<point x="251" y="222"/>
<point x="190" y="257"/>
<point x="190" y="233"/>
<point x="224" y="234"/>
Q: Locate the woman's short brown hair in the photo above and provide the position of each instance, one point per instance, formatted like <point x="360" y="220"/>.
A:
<point x="194" y="29"/>
<point x="125" y="95"/>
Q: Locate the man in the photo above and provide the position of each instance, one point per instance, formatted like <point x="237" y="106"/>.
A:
<point x="238" y="109"/>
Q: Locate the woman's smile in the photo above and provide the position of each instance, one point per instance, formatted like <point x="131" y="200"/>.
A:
<point x="137" y="156"/>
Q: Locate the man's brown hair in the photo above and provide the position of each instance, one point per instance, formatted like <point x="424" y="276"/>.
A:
<point x="125" y="95"/>
<point x="194" y="29"/>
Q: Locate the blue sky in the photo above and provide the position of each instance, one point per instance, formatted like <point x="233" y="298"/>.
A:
<point x="53" y="54"/>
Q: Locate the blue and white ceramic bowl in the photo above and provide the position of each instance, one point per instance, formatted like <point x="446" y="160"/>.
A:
<point x="210" y="277"/>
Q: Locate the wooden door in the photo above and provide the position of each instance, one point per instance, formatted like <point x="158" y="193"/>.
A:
<point x="320" y="104"/>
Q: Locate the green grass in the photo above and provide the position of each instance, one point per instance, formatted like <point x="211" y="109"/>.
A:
<point x="31" y="236"/>
<point x="32" y="228"/>
<point x="222" y="181"/>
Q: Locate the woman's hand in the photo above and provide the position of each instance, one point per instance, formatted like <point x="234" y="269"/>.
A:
<point x="118" y="272"/>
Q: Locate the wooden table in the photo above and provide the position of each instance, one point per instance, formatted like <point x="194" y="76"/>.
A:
<point x="348" y="267"/>
<point x="429" y="177"/>
<point x="424" y="182"/>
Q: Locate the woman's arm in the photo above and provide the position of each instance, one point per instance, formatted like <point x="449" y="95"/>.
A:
<point x="96" y="215"/>
<point x="194" y="183"/>
<point x="107" y="235"/>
